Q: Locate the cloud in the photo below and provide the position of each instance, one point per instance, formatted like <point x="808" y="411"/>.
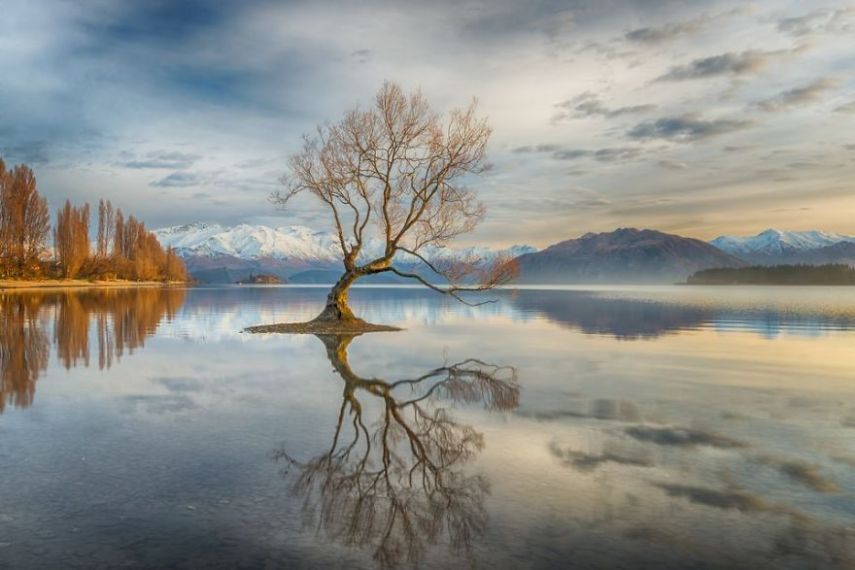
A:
<point x="672" y="165"/>
<point x="681" y="437"/>
<point x="798" y="96"/>
<point x="537" y="148"/>
<point x="729" y="64"/>
<point x="588" y="105"/>
<point x="25" y="152"/>
<point x="161" y="159"/>
<point x="686" y="128"/>
<point x="180" y="180"/>
<point x="848" y="108"/>
<point x="839" y="20"/>
<point x="673" y="30"/>
<point x="609" y="154"/>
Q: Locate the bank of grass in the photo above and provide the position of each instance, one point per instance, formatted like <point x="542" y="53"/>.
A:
<point x="22" y="284"/>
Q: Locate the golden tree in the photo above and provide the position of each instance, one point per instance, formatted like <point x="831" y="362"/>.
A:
<point x="24" y="221"/>
<point x="71" y="238"/>
<point x="397" y="171"/>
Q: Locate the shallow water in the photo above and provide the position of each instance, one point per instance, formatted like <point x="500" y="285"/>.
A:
<point x="610" y="427"/>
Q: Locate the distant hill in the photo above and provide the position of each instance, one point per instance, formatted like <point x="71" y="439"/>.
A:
<point x="626" y="255"/>
<point x="830" y="274"/>
<point x="776" y="247"/>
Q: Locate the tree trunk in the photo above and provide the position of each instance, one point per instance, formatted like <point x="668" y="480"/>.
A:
<point x="337" y="309"/>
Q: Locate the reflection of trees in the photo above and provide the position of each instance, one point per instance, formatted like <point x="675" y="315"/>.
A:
<point x="398" y="486"/>
<point x="123" y="319"/>
<point x="24" y="349"/>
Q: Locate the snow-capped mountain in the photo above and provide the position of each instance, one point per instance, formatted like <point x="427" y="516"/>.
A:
<point x="219" y="253"/>
<point x="777" y="246"/>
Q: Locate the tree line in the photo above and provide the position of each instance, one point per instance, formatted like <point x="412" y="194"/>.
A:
<point x="829" y="274"/>
<point x="123" y="248"/>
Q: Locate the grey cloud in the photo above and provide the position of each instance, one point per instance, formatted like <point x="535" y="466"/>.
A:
<point x="732" y="64"/>
<point x="672" y="165"/>
<point x="180" y="179"/>
<point x="26" y="152"/>
<point x="840" y="20"/>
<point x="611" y="154"/>
<point x="608" y="154"/>
<point x="673" y="30"/>
<point x="846" y="108"/>
<point x="163" y="159"/>
<point x="681" y="437"/>
<point x="588" y="105"/>
<point x="809" y="93"/>
<point x="536" y="148"/>
<point x="686" y="128"/>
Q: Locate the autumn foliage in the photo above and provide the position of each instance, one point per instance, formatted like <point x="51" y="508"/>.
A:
<point x="123" y="248"/>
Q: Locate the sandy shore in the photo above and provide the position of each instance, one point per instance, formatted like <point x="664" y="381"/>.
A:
<point x="7" y="284"/>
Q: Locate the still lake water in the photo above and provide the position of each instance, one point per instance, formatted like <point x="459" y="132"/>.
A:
<point x="610" y="427"/>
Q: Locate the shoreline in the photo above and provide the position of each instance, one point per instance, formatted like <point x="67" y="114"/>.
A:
<point x="40" y="284"/>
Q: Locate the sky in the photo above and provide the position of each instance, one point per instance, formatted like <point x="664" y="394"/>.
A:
<point x="696" y="118"/>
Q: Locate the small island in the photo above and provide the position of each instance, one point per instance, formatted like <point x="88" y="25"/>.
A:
<point x="829" y="274"/>
<point x="260" y="279"/>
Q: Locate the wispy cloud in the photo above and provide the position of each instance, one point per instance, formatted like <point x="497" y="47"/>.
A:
<point x="725" y="64"/>
<point x="180" y="180"/>
<point x="588" y="104"/>
<point x="162" y="159"/>
<point x="799" y="96"/>
<point x="840" y="20"/>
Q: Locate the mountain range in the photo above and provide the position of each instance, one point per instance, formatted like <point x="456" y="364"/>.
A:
<point x="216" y="253"/>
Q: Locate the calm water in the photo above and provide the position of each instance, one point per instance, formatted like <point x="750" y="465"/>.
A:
<point x="616" y="427"/>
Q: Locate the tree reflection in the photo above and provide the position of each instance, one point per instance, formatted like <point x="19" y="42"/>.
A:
<point x="24" y="350"/>
<point x="399" y="486"/>
<point x="123" y="319"/>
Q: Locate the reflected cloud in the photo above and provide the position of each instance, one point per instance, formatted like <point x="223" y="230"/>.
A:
<point x="399" y="486"/>
<point x="681" y="437"/>
<point x="807" y="474"/>
<point x="727" y="500"/>
<point x="589" y="461"/>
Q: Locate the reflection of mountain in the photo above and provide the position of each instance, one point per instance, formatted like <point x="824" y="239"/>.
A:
<point x="396" y="485"/>
<point x="633" y="318"/>
<point x="122" y="318"/>
<point x="622" y="318"/>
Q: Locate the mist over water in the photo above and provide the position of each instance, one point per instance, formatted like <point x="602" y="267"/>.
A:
<point x="590" y="427"/>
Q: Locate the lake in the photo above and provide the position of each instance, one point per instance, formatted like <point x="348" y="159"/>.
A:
<point x="658" y="427"/>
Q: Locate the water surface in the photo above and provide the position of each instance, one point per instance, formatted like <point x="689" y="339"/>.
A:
<point x="617" y="426"/>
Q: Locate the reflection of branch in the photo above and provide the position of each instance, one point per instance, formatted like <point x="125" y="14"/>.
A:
<point x="400" y="488"/>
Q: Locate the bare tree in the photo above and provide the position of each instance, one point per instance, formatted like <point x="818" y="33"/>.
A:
<point x="397" y="171"/>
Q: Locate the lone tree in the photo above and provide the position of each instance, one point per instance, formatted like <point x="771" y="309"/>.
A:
<point x="397" y="171"/>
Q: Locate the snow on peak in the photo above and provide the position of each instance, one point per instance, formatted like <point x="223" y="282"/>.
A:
<point x="254" y="242"/>
<point x="773" y="241"/>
